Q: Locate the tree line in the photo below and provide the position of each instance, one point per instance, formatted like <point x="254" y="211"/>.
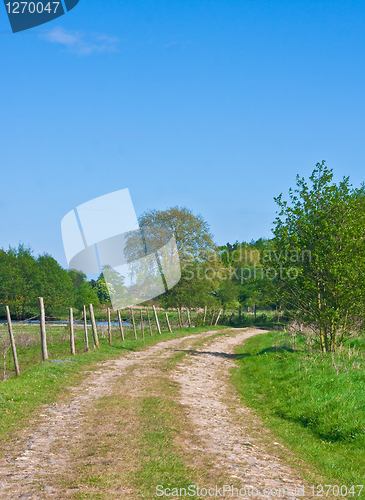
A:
<point x="24" y="278"/>
<point x="312" y="269"/>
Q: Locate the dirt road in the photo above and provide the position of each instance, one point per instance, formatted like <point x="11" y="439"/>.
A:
<point x="97" y="428"/>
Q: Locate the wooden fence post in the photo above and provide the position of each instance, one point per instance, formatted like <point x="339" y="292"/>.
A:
<point x="85" y="330"/>
<point x="205" y="314"/>
<point x="95" y="333"/>
<point x="109" y="328"/>
<point x="149" y="321"/>
<point x="168" y="322"/>
<point x="42" y="321"/>
<point x="240" y="314"/>
<point x="120" y="325"/>
<point x="211" y="323"/>
<point x="188" y="313"/>
<point x="216" y="321"/>
<point x="134" y="325"/>
<point x="179" y="314"/>
<point x="12" y="341"/>
<point x="72" y="333"/>
<point x="142" y="327"/>
<point x="156" y="318"/>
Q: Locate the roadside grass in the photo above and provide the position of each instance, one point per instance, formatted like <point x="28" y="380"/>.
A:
<point x="40" y="383"/>
<point x="314" y="404"/>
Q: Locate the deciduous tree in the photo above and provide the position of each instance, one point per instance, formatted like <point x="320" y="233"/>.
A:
<point x="320" y="255"/>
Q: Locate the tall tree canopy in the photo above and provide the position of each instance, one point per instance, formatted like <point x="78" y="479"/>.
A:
<point x="24" y="278"/>
<point x="194" y="243"/>
<point x="192" y="232"/>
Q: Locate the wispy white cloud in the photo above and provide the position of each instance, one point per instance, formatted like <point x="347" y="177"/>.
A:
<point x="81" y="43"/>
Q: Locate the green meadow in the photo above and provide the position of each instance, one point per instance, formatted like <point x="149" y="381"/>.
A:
<point x="313" y="402"/>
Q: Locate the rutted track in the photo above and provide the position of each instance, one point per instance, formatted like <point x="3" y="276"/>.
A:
<point x="216" y="411"/>
<point x="30" y="463"/>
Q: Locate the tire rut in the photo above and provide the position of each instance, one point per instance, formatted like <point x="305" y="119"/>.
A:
<point x="205" y="392"/>
<point x="42" y="452"/>
<point x="28" y="463"/>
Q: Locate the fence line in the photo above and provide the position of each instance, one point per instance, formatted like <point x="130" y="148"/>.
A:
<point x="143" y="312"/>
<point x="109" y="328"/>
<point x="179" y="314"/>
<point x="168" y="322"/>
<point x="156" y="318"/>
<point x="149" y="321"/>
<point x="142" y="326"/>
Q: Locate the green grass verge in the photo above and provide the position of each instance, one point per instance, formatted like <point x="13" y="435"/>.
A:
<point x="314" y="404"/>
<point x="41" y="383"/>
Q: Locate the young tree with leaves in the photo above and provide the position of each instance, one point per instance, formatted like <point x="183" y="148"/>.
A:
<point x="320" y="255"/>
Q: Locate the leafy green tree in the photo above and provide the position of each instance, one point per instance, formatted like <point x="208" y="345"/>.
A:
<point x="102" y="290"/>
<point x="18" y="275"/>
<point x="54" y="284"/>
<point x="192" y="232"/>
<point x="244" y="260"/>
<point x="116" y="289"/>
<point x="196" y="287"/>
<point x="83" y="292"/>
<point x="319" y="255"/>
<point x="227" y="293"/>
<point x="23" y="279"/>
<point x="194" y="243"/>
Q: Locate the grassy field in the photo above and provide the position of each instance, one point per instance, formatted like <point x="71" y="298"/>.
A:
<point x="313" y="402"/>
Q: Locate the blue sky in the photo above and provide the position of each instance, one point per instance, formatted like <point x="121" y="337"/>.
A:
<point x="213" y="105"/>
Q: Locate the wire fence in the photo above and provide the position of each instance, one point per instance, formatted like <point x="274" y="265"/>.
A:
<point x="24" y="343"/>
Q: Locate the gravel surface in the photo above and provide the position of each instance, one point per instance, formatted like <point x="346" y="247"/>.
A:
<point x="30" y="461"/>
<point x="219" y="418"/>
